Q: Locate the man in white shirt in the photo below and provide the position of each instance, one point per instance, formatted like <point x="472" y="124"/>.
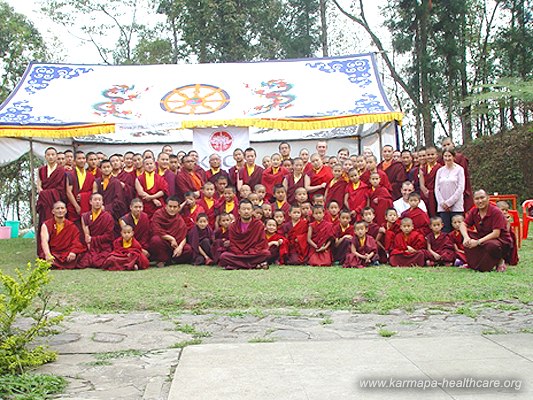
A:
<point x="401" y="204"/>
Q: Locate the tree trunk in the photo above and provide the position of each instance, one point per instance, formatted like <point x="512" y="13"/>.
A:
<point x="424" y="75"/>
<point x="324" y="28"/>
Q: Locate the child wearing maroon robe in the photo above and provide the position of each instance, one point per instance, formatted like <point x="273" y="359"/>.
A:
<point x="409" y="245"/>
<point x="386" y="235"/>
<point x="280" y="200"/>
<point x="201" y="238"/>
<point x="98" y="227"/>
<point x="343" y="234"/>
<point x="368" y="216"/>
<point x="419" y="217"/>
<point x="295" y="181"/>
<point x="140" y="222"/>
<point x="332" y="214"/>
<point x="221" y="242"/>
<point x="371" y="163"/>
<point x="439" y="246"/>
<point x="279" y="217"/>
<point x="336" y="188"/>
<point x="60" y="240"/>
<point x="319" y="238"/>
<point x="363" y="249"/>
<point x="295" y="230"/>
<point x="319" y="177"/>
<point x="229" y="203"/>
<point x="429" y="173"/>
<point x="277" y="243"/>
<point x="151" y="188"/>
<point x="248" y="246"/>
<point x="273" y="176"/>
<point x="379" y="198"/>
<point x="208" y="202"/>
<point x="127" y="254"/>
<point x="356" y="196"/>
<point x="190" y="210"/>
<point x="457" y="240"/>
<point x="170" y="232"/>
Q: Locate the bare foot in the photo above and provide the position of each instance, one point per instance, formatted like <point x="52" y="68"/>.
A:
<point x="160" y="264"/>
<point x="263" y="265"/>
<point x="502" y="267"/>
<point x="135" y="267"/>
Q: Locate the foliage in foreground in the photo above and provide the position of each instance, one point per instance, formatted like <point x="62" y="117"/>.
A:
<point x="24" y="316"/>
<point x="30" y="387"/>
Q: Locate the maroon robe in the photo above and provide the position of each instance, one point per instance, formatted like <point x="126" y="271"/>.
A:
<point x="212" y="177"/>
<point x="125" y="259"/>
<point x="251" y="180"/>
<point x="63" y="243"/>
<point x="487" y="256"/>
<point x="400" y="257"/>
<point x="53" y="189"/>
<point x="269" y="179"/>
<point x="203" y="238"/>
<point x="443" y="246"/>
<point x="84" y="194"/>
<point x="170" y="177"/>
<point x="457" y="240"/>
<point x="429" y="181"/>
<point x="420" y="220"/>
<point x="365" y="178"/>
<point x="210" y="212"/>
<point x="324" y="175"/>
<point x="234" y="175"/>
<point x="380" y="200"/>
<point x="248" y="248"/>
<point x="173" y="225"/>
<point x="321" y="233"/>
<point x="185" y="183"/>
<point x="221" y="237"/>
<point x="190" y="217"/>
<point x="129" y="185"/>
<point x="142" y="231"/>
<point x="373" y="230"/>
<point x="221" y="207"/>
<point x="292" y="186"/>
<point x="97" y="172"/>
<point x="369" y="246"/>
<point x="102" y="236"/>
<point x="160" y="184"/>
<point x="336" y="191"/>
<point x="114" y="201"/>
<point x="357" y="198"/>
<point x="297" y="241"/>
<point x="278" y="254"/>
<point x="396" y="175"/>
<point x="343" y="248"/>
<point x="285" y="207"/>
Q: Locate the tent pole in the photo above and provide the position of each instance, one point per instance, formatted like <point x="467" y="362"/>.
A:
<point x="32" y="179"/>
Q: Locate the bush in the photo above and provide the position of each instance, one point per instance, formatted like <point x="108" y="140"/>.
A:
<point x="502" y="163"/>
<point x="24" y="296"/>
<point x="30" y="387"/>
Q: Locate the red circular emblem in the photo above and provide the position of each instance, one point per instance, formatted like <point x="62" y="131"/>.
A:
<point x="220" y="141"/>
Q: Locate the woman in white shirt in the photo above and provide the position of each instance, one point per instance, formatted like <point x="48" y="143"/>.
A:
<point x="449" y="189"/>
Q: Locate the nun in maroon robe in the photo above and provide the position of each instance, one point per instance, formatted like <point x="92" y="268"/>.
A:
<point x="62" y="242"/>
<point x="126" y="256"/>
<point x="292" y="184"/>
<point x="101" y="231"/>
<point x="248" y="246"/>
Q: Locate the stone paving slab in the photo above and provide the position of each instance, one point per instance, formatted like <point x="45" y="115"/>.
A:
<point x="333" y="369"/>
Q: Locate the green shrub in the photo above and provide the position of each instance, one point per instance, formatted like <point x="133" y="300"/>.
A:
<point x="23" y="296"/>
<point x="30" y="387"/>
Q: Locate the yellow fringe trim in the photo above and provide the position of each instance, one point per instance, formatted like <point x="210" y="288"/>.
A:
<point x="56" y="132"/>
<point x="298" y="123"/>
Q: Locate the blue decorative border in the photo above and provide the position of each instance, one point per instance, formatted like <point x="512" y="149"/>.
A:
<point x="41" y="76"/>
<point x="20" y="113"/>
<point x="359" y="71"/>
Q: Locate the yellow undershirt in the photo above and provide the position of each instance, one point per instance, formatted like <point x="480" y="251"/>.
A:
<point x="209" y="202"/>
<point x="229" y="206"/>
<point x="59" y="227"/>
<point x="82" y="174"/>
<point x="250" y="169"/>
<point x="96" y="215"/>
<point x="127" y="243"/>
<point x="150" y="179"/>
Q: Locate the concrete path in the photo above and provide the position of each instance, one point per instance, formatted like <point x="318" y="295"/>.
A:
<point x="337" y="369"/>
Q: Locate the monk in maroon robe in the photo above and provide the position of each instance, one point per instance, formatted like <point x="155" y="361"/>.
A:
<point x="151" y="188"/>
<point x="336" y="188"/>
<point x="487" y="247"/>
<point x="429" y="173"/>
<point x="98" y="228"/>
<point x="440" y="250"/>
<point x="295" y="230"/>
<point x="215" y="169"/>
<point x="163" y="170"/>
<point x="170" y="233"/>
<point x="295" y="180"/>
<point x="343" y="234"/>
<point x="250" y="174"/>
<point x="379" y="198"/>
<point x="79" y="188"/>
<point x="273" y="176"/>
<point x="60" y="240"/>
<point x="318" y="178"/>
<point x="319" y="238"/>
<point x="201" y="239"/>
<point x="93" y="165"/>
<point x="221" y="243"/>
<point x="126" y="179"/>
<point x="409" y="246"/>
<point x="278" y="245"/>
<point x="394" y="169"/>
<point x="127" y="254"/>
<point x="208" y="203"/>
<point x="356" y="196"/>
<point x="371" y="163"/>
<point x="140" y="222"/>
<point x="233" y="172"/>
<point x="188" y="180"/>
<point x="363" y="250"/>
<point x="248" y="246"/>
<point x="419" y="217"/>
<point x="50" y="188"/>
<point x="112" y="192"/>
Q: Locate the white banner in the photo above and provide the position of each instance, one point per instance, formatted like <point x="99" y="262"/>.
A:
<point x="221" y="141"/>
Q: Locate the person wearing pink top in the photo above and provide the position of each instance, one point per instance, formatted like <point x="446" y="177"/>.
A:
<point x="449" y="189"/>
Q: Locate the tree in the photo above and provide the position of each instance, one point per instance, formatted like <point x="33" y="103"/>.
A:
<point x="20" y="43"/>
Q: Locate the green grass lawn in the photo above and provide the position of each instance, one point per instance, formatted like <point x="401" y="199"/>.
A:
<point x="184" y="287"/>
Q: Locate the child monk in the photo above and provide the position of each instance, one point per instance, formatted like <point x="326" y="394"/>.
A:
<point x="332" y="214"/>
<point x="273" y="175"/>
<point x="140" y="222"/>
<point x="229" y="204"/>
<point x="295" y="230"/>
<point x="356" y="196"/>
<point x="279" y="217"/>
<point x="343" y="234"/>
<point x="261" y="192"/>
<point x="307" y="211"/>
<point x="190" y="210"/>
<point x="295" y="180"/>
<point x="201" y="238"/>
<point x="127" y="254"/>
<point x="300" y="197"/>
<point x="244" y="192"/>
<point x="439" y="246"/>
<point x="277" y="243"/>
<point x="379" y="198"/>
<point x="387" y="232"/>
<point x="512" y="257"/>
<point x="267" y="211"/>
<point x="208" y="203"/>
<point x="319" y="238"/>
<point x="408" y="248"/>
<point x="368" y="216"/>
<point x="419" y="217"/>
<point x="457" y="240"/>
<point x="221" y="242"/>
<point x="336" y="188"/>
<point x="280" y="197"/>
<point x="363" y="251"/>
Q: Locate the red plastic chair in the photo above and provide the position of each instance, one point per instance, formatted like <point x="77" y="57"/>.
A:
<point x="526" y="217"/>
<point x="515" y="226"/>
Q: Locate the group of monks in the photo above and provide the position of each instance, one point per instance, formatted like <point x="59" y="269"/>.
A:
<point x="130" y="211"/>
